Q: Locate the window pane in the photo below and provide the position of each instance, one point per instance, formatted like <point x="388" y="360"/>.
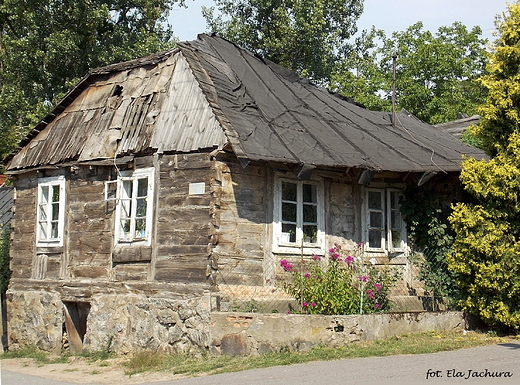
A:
<point x="125" y="228"/>
<point x="126" y="209"/>
<point x="396" y="220"/>
<point x="289" y="191"/>
<point x="141" y="207"/>
<point x="289" y="212"/>
<point x="140" y="228"/>
<point x="374" y="238"/>
<point x="310" y="213"/>
<point x="289" y="229"/>
<point x="374" y="200"/>
<point x="55" y="193"/>
<point x="394" y="199"/>
<point x="127" y="189"/>
<point x="43" y="230"/>
<point x="44" y="194"/>
<point x="396" y="239"/>
<point x="309" y="193"/>
<point x="142" y="187"/>
<point x="376" y="220"/>
<point x="55" y="211"/>
<point x="54" y="230"/>
<point x="43" y="212"/>
<point x="310" y="233"/>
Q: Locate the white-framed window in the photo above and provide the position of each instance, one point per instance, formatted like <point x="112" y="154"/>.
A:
<point x="134" y="206"/>
<point x="298" y="216"/>
<point x="50" y="211"/>
<point x="385" y="229"/>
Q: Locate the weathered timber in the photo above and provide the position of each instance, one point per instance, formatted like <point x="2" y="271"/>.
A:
<point x="184" y="250"/>
<point x="132" y="254"/>
<point x="94" y="272"/>
<point x="131" y="272"/>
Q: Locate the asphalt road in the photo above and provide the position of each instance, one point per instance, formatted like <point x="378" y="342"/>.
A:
<point x="468" y="366"/>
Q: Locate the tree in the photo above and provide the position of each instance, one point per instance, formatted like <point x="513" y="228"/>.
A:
<point x="487" y="246"/>
<point x="359" y="75"/>
<point x="307" y="36"/>
<point x="435" y="73"/>
<point x="47" y="45"/>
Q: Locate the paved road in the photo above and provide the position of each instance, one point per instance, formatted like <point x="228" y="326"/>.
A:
<point x="452" y="367"/>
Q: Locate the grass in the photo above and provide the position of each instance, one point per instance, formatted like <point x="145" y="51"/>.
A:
<point x="429" y="342"/>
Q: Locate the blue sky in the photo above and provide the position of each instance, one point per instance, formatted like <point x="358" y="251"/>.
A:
<point x="389" y="15"/>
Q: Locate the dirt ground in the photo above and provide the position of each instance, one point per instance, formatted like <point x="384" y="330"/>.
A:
<point x="79" y="370"/>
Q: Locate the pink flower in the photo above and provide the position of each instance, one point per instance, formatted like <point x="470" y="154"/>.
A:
<point x="332" y="250"/>
<point x="378" y="286"/>
<point x="363" y="278"/>
<point x="360" y="245"/>
<point x="349" y="260"/>
<point x="305" y="304"/>
<point x="376" y="306"/>
<point x="313" y="304"/>
<point x="370" y="294"/>
<point x="286" y="265"/>
<point x="308" y="275"/>
<point x="316" y="257"/>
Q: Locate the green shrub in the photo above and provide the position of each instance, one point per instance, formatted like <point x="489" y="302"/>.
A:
<point x="486" y="254"/>
<point x="341" y="284"/>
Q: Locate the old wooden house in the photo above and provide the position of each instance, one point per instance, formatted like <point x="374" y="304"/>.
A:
<point x="159" y="186"/>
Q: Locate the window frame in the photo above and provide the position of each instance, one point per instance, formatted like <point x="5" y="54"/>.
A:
<point x="280" y="246"/>
<point x="50" y="182"/>
<point x="386" y="231"/>
<point x="134" y="176"/>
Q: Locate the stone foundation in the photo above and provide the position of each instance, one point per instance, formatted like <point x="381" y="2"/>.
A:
<point x="127" y="323"/>
<point x="121" y="323"/>
<point x="252" y="334"/>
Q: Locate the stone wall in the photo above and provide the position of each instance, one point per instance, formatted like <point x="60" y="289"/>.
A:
<point x="251" y="334"/>
<point x="35" y="318"/>
<point x="126" y="323"/>
<point x="121" y="323"/>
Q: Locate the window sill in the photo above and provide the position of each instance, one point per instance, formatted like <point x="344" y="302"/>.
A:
<point x="297" y="250"/>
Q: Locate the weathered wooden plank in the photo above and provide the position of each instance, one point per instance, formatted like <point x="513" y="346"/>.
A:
<point x="198" y="236"/>
<point x="143" y="162"/>
<point x="185" y="275"/>
<point x="20" y="271"/>
<point x="131" y="254"/>
<point x="179" y="251"/>
<point x="53" y="268"/>
<point x="90" y="272"/>
<point x="79" y="257"/>
<point x="90" y="242"/>
<point x="131" y="272"/>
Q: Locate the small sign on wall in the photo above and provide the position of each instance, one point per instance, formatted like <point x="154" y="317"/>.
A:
<point x="197" y="188"/>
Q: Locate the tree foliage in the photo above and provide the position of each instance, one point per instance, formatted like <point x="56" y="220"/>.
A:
<point x="307" y="36"/>
<point x="487" y="247"/>
<point x="435" y="73"/>
<point x="47" y="45"/>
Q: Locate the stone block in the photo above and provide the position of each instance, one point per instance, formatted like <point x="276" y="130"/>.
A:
<point x="234" y="345"/>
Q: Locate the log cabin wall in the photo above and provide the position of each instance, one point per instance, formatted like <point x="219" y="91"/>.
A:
<point x="23" y="224"/>
<point x="183" y="235"/>
<point x="188" y="193"/>
<point x="244" y="217"/>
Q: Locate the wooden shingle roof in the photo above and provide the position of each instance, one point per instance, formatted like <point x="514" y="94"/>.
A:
<point x="209" y="93"/>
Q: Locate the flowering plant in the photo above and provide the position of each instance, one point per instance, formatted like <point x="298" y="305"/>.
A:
<point x="342" y="284"/>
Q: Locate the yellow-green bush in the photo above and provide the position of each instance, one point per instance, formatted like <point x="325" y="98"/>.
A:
<point x="486" y="254"/>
